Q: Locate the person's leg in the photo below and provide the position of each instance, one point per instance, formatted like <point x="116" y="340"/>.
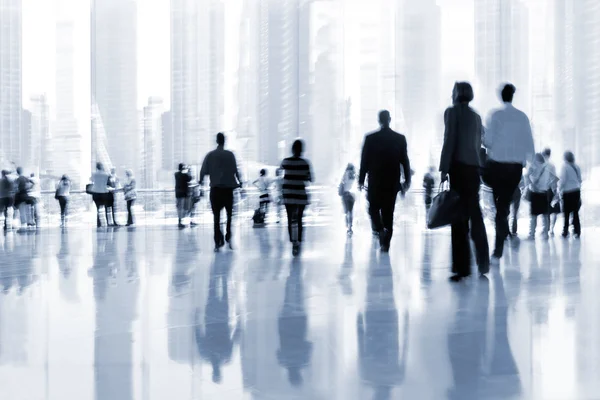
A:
<point x="545" y="225"/>
<point x="516" y="204"/>
<point x="228" y="204"/>
<point x="375" y="211"/>
<point x="300" y="222"/>
<point x="532" y="226"/>
<point x="576" y="221"/>
<point x="63" y="205"/>
<point x="114" y="209"/>
<point x="130" y="204"/>
<point x="505" y="184"/>
<point x="290" y="211"/>
<point x="24" y="213"/>
<point x="351" y="211"/>
<point x="461" y="249"/>
<point x="553" y="218"/>
<point x="216" y="204"/>
<point x="387" y="216"/>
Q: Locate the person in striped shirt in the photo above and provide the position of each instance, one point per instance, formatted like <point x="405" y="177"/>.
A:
<point x="296" y="174"/>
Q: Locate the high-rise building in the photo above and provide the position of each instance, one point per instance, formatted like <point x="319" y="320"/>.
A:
<point x="38" y="143"/>
<point x="114" y="83"/>
<point x="501" y="52"/>
<point x="168" y="159"/>
<point x="197" y="76"/>
<point x="152" y="151"/>
<point x="11" y="76"/>
<point x="418" y="75"/>
<point x="72" y="157"/>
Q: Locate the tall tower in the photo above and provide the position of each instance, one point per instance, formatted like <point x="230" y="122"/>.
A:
<point x="114" y="83"/>
<point x="197" y="77"/>
<point x="152" y="152"/>
<point x="11" y="77"/>
<point x="501" y="52"/>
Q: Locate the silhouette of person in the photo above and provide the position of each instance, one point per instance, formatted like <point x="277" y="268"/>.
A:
<point x="382" y="361"/>
<point x="215" y="338"/>
<point x="460" y="159"/>
<point x="347" y="267"/>
<point x="221" y="166"/>
<point x="384" y="153"/>
<point x="295" y="350"/>
<point x="509" y="144"/>
<point x="183" y="177"/>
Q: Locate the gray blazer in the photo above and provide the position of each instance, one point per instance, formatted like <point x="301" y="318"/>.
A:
<point x="462" y="137"/>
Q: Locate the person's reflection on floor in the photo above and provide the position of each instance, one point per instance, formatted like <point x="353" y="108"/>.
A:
<point x="347" y="267"/>
<point x="504" y="375"/>
<point x="295" y="350"/>
<point x="539" y="285"/>
<point x="466" y="346"/>
<point x="186" y="251"/>
<point x="67" y="281"/>
<point x="426" y="263"/>
<point x="7" y="273"/>
<point x="131" y="260"/>
<point x="571" y="275"/>
<point x="215" y="338"/>
<point x="382" y="362"/>
<point x="63" y="255"/>
<point x="24" y="255"/>
<point x="264" y="248"/>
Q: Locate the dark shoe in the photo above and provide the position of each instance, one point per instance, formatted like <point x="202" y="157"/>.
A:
<point x="385" y="248"/>
<point x="577" y="235"/>
<point x="296" y="249"/>
<point x="181" y="226"/>
<point x="565" y="235"/>
<point x="458" y="277"/>
<point x="193" y="224"/>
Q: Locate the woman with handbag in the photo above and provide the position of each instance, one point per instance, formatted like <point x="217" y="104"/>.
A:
<point x="130" y="195"/>
<point x="348" y="198"/>
<point x="460" y="160"/>
<point x="100" y="192"/>
<point x="570" y="187"/>
<point x="539" y="180"/>
<point x="63" y="191"/>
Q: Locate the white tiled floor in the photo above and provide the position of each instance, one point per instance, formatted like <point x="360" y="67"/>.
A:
<point x="153" y="313"/>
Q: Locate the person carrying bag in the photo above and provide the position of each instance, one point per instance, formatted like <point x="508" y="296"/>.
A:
<point x="445" y="208"/>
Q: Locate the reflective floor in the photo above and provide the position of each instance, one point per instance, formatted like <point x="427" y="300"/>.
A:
<point x="153" y="313"/>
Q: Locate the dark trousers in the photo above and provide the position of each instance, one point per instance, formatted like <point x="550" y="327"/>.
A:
<point x="101" y="200"/>
<point x="221" y="198"/>
<point x="504" y="179"/>
<point x="571" y="205"/>
<point x="382" y="203"/>
<point x="63" y="201"/>
<point x="5" y="204"/>
<point x="112" y="204"/>
<point x="295" y="212"/>
<point x="516" y="204"/>
<point x="465" y="179"/>
<point x="130" y="204"/>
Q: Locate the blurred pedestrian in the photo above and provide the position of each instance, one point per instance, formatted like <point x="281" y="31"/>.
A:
<point x="263" y="184"/>
<point x="460" y="159"/>
<point x="183" y="177"/>
<point x="539" y="178"/>
<point x="63" y="192"/>
<point x="297" y="173"/>
<point x="7" y="199"/>
<point x="23" y="184"/>
<point x="33" y="200"/>
<point x="130" y="194"/>
<point x="553" y="195"/>
<point x="114" y="186"/>
<point x="348" y="197"/>
<point x="428" y="185"/>
<point x="570" y="189"/>
<point x="100" y="193"/>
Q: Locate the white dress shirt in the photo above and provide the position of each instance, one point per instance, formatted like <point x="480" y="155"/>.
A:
<point x="570" y="178"/>
<point x="508" y="137"/>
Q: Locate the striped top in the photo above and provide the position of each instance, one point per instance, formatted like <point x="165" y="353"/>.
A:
<point x="297" y="172"/>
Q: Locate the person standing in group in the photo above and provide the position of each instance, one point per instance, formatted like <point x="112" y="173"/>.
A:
<point x="460" y="159"/>
<point x="509" y="143"/>
<point x="539" y="179"/>
<point x="296" y="174"/>
<point x="221" y="167"/>
<point x="63" y="192"/>
<point x="100" y="192"/>
<point x="553" y="196"/>
<point x="263" y="183"/>
<point x="22" y="201"/>
<point x="130" y="194"/>
<point x="7" y="199"/>
<point x="348" y="198"/>
<point x="428" y="185"/>
<point x="183" y="177"/>
<point x="111" y="199"/>
<point x="384" y="153"/>
<point x="570" y="188"/>
<point x="515" y="205"/>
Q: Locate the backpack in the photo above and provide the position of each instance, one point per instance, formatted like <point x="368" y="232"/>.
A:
<point x="259" y="216"/>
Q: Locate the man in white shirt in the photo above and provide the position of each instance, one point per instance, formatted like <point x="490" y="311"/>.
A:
<point x="509" y="143"/>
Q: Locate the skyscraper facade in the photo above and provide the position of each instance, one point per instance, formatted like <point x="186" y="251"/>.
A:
<point x="197" y="76"/>
<point x="114" y="82"/>
<point x="11" y="76"/>
<point x="152" y="138"/>
<point x="501" y="52"/>
<point x="37" y="142"/>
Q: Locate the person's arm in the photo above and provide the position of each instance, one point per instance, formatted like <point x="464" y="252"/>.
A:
<point x="562" y="178"/>
<point x="406" y="165"/>
<point x="489" y="131"/>
<point x="449" y="141"/>
<point x="205" y="169"/>
<point x="237" y="171"/>
<point x="529" y="144"/>
<point x="310" y="177"/>
<point x="364" y="163"/>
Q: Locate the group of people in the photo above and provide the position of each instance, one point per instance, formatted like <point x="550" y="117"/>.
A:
<point x="104" y="187"/>
<point x="20" y="194"/>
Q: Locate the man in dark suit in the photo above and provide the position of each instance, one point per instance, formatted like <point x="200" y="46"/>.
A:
<point x="384" y="160"/>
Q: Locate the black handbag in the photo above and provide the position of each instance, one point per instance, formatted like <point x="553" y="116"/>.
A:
<point x="445" y="209"/>
<point x="88" y="188"/>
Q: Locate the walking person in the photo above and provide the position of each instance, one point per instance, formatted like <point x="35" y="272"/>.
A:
<point x="384" y="153"/>
<point x="130" y="194"/>
<point x="221" y="167"/>
<point x="570" y="189"/>
<point x="114" y="186"/>
<point x="515" y="206"/>
<point x="183" y="177"/>
<point x="7" y="199"/>
<point x="23" y="184"/>
<point x="539" y="178"/>
<point x="263" y="184"/>
<point x="460" y="159"/>
<point x="63" y="192"/>
<point x="348" y="198"/>
<point x="553" y="196"/>
<point x="34" y="195"/>
<point x="296" y="174"/>
<point x="100" y="193"/>
<point x="509" y="143"/>
<point x="428" y="185"/>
